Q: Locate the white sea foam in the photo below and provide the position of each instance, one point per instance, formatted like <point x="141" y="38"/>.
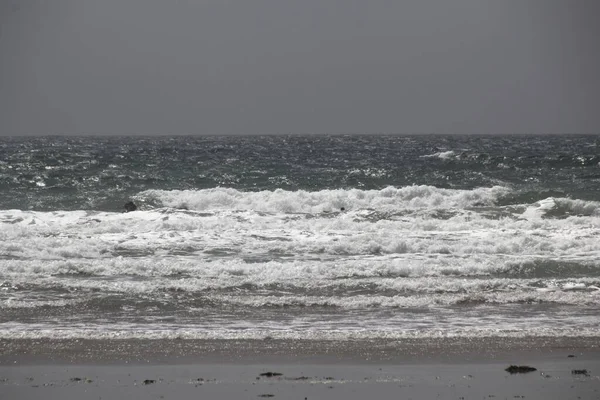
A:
<point x="416" y="247"/>
<point x="301" y="201"/>
<point x="304" y="331"/>
<point x="562" y="207"/>
<point x="248" y="234"/>
<point x="444" y="155"/>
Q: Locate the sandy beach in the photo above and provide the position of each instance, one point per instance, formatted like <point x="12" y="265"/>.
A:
<point x="565" y="368"/>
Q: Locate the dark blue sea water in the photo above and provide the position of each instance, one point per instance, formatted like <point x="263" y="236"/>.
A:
<point x="99" y="173"/>
<point x="318" y="237"/>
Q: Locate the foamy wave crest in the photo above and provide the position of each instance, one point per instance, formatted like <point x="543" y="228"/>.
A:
<point x="577" y="207"/>
<point x="301" y="201"/>
<point x="362" y="302"/>
<point x="133" y="331"/>
<point x="562" y="207"/>
<point x="444" y="155"/>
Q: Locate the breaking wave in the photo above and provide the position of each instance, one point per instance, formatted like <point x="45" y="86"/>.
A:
<point x="301" y="201"/>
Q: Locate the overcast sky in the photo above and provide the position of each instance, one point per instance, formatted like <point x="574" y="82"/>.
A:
<point x="303" y="66"/>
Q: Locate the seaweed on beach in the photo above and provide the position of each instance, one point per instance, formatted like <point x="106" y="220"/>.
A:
<point x="580" y="372"/>
<point x="270" y="374"/>
<point x="520" y="369"/>
<point x="300" y="378"/>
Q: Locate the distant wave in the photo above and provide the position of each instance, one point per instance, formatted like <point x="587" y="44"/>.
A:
<point x="301" y="201"/>
<point x="444" y="155"/>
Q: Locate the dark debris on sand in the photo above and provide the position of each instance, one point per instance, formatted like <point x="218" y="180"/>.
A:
<point x="270" y="374"/>
<point x="77" y="379"/>
<point x="520" y="369"/>
<point x="149" y="381"/>
<point x="580" y="372"/>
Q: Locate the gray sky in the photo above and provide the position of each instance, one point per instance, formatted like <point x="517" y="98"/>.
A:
<point x="304" y="66"/>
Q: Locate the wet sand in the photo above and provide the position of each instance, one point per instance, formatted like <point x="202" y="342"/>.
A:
<point x="566" y="368"/>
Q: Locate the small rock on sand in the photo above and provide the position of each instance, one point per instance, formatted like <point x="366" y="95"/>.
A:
<point x="270" y="374"/>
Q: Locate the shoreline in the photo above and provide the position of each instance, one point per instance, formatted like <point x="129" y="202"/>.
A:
<point x="192" y="351"/>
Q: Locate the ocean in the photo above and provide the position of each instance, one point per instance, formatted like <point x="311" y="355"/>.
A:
<point x="300" y="237"/>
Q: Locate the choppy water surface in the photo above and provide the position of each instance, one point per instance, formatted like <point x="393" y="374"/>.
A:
<point x="332" y="237"/>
